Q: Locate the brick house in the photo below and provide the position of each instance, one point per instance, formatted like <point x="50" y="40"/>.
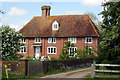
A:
<point x="45" y="35"/>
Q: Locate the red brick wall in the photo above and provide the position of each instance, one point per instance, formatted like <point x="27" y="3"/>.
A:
<point x="80" y="44"/>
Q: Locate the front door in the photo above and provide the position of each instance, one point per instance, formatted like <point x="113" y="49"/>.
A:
<point x="37" y="52"/>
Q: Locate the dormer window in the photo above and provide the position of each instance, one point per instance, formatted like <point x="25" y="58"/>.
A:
<point x="55" y="25"/>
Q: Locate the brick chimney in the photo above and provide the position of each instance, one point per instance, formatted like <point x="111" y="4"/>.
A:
<point x="45" y="11"/>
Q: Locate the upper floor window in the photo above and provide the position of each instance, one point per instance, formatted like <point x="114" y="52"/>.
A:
<point x="72" y="51"/>
<point x="88" y="40"/>
<point x="37" y="40"/>
<point x="22" y="49"/>
<point x="51" y="50"/>
<point x="51" y="40"/>
<point x="55" y="25"/>
<point x="72" y="40"/>
<point x="22" y="40"/>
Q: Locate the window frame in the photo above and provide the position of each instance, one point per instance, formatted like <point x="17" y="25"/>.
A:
<point x="51" y="40"/>
<point x="73" y="51"/>
<point x="88" y="39"/>
<point x="88" y="50"/>
<point x="24" y="49"/>
<point x="72" y="39"/>
<point x="23" y="39"/>
<point x="55" y="24"/>
<point x="37" y="40"/>
<point x="52" y="48"/>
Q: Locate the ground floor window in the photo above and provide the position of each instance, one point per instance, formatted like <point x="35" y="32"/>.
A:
<point x="72" y="51"/>
<point x="51" y="50"/>
<point x="22" y="49"/>
<point x="89" y="50"/>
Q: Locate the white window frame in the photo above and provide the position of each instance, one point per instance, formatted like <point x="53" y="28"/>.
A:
<point x="74" y="50"/>
<point x="88" y="50"/>
<point x="24" y="51"/>
<point x="53" y="25"/>
<point x="88" y="39"/>
<point x="50" y="50"/>
<point x="23" y="40"/>
<point x="72" y="40"/>
<point x="51" y="40"/>
<point x="36" y="40"/>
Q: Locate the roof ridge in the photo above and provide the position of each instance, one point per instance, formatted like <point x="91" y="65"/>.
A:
<point x="63" y="15"/>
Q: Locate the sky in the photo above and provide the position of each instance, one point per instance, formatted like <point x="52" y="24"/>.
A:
<point x="17" y="13"/>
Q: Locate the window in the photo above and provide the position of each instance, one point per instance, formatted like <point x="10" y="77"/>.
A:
<point x="51" y="50"/>
<point x="72" y="40"/>
<point x="22" y="40"/>
<point x="22" y="49"/>
<point x="88" y="40"/>
<point x="89" y="50"/>
<point x="55" y="25"/>
<point x="51" y="40"/>
<point x="37" y="40"/>
<point x="72" y="51"/>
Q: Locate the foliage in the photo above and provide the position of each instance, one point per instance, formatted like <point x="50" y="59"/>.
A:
<point x="31" y="59"/>
<point x="10" y="44"/>
<point x="85" y="53"/>
<point x="65" y="53"/>
<point x="109" y="48"/>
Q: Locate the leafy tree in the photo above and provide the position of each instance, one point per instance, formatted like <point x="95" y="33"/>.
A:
<point x="85" y="53"/>
<point x="65" y="53"/>
<point x="109" y="48"/>
<point x="10" y="43"/>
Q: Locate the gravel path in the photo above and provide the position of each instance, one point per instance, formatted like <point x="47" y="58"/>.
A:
<point x="72" y="74"/>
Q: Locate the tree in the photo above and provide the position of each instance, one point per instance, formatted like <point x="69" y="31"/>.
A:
<point x="109" y="48"/>
<point x="96" y="21"/>
<point x="10" y="43"/>
<point x="65" y="51"/>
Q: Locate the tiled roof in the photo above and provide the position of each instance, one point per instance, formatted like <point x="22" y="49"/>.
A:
<point x="69" y="26"/>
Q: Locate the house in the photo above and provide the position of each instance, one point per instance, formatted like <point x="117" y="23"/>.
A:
<point x="45" y="35"/>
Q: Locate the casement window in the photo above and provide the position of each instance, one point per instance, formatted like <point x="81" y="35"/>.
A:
<point x="51" y="50"/>
<point x="22" y="49"/>
<point x="89" y="50"/>
<point x="22" y="40"/>
<point x="72" y="40"/>
<point x="51" y="40"/>
<point x="88" y="40"/>
<point x="37" y="40"/>
<point x="72" y="51"/>
<point x="55" y="25"/>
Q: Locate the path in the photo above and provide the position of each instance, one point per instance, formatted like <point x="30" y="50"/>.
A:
<point x="72" y="74"/>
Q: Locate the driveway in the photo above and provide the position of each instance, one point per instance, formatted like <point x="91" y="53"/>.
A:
<point x="72" y="74"/>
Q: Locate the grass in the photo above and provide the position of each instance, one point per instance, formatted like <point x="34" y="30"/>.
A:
<point x="14" y="76"/>
<point x="100" y="74"/>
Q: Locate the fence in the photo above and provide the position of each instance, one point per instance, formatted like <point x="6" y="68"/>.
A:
<point x="33" y="67"/>
<point x="111" y="68"/>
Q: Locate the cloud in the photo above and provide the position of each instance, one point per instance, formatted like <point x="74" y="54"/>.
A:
<point x="16" y="12"/>
<point x="16" y="27"/>
<point x="23" y="22"/>
<point x="92" y="3"/>
<point x="74" y="12"/>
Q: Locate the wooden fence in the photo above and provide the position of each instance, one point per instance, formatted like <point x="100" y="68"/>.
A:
<point x="112" y="68"/>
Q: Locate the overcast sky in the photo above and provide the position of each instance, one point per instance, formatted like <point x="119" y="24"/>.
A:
<point x="17" y="13"/>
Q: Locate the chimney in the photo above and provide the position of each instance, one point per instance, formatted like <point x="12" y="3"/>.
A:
<point x="45" y="11"/>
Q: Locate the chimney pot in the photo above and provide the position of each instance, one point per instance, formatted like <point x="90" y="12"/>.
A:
<point x="45" y="11"/>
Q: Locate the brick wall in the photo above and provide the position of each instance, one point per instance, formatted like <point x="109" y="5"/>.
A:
<point x="15" y="67"/>
<point x="80" y="44"/>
